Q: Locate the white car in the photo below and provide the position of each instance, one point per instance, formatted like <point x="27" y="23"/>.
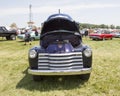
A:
<point x="33" y="36"/>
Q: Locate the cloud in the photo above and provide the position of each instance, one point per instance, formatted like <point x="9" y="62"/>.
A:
<point x="90" y="6"/>
<point x="13" y="11"/>
<point x="51" y="9"/>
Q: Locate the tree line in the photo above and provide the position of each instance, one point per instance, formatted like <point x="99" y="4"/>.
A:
<point x="84" y="25"/>
<point x="92" y="26"/>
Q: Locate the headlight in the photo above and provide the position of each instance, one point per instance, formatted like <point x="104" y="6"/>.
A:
<point x="88" y="52"/>
<point x="32" y="53"/>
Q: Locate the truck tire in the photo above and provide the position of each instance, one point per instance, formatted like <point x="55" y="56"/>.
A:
<point x="13" y="37"/>
<point x="8" y="37"/>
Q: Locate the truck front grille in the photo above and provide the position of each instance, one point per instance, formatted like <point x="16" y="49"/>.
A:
<point x="60" y="61"/>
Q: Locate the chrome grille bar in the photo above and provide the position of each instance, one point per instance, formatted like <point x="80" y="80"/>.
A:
<point x="60" y="61"/>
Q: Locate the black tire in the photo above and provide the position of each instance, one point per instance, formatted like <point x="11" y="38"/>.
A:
<point x="8" y="37"/>
<point x="37" y="78"/>
<point x="85" y="76"/>
<point x="12" y="37"/>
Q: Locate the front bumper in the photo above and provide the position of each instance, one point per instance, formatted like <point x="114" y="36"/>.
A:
<point x="60" y="72"/>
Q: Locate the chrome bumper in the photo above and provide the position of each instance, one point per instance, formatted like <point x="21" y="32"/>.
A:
<point x="60" y="72"/>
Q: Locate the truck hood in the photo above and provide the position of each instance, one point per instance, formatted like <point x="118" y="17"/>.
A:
<point x="59" y="22"/>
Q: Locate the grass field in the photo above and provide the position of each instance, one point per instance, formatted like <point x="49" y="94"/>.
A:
<point x="104" y="80"/>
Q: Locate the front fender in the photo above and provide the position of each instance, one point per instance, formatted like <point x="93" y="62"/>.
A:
<point x="33" y="62"/>
<point x="87" y="61"/>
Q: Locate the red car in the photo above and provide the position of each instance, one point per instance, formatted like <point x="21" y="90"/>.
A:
<point x="101" y="35"/>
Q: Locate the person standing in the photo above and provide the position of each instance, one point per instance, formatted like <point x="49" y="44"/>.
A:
<point x="86" y="33"/>
<point x="27" y="37"/>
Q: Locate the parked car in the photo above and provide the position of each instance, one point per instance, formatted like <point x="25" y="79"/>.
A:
<point x="10" y="35"/>
<point x="61" y="51"/>
<point x="117" y="34"/>
<point x="101" y="35"/>
<point x="33" y="36"/>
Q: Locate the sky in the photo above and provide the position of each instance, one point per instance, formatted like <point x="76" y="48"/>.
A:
<point x="83" y="11"/>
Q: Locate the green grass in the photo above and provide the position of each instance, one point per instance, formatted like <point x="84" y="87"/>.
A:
<point x="104" y="80"/>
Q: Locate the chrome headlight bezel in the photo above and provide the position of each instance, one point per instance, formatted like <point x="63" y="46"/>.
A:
<point x="32" y="53"/>
<point x="87" y="52"/>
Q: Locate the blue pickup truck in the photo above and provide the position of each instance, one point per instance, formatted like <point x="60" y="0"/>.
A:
<point x="61" y="51"/>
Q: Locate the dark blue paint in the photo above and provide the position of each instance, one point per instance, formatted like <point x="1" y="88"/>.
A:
<point x="59" y="48"/>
